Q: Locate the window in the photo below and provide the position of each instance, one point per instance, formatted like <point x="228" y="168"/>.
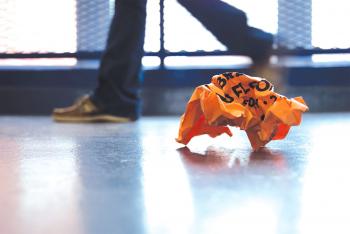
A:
<point x="60" y="26"/>
<point x="330" y="24"/>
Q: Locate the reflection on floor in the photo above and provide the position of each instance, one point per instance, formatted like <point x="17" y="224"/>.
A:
<point x="134" y="178"/>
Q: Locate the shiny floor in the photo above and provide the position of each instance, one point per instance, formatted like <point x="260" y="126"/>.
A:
<point x="134" y="178"/>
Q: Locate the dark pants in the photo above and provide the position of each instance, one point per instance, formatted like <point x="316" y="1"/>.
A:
<point x="229" y="25"/>
<point x="119" y="74"/>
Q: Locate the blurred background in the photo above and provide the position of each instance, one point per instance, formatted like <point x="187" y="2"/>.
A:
<point x="50" y="50"/>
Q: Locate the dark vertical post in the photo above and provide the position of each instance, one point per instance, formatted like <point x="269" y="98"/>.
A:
<point x="162" y="49"/>
<point x="294" y="23"/>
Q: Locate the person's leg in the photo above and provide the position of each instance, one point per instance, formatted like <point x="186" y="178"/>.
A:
<point x="116" y="97"/>
<point x="229" y="25"/>
<point x="120" y="68"/>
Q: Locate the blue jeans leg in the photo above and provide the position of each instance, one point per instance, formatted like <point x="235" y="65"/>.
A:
<point x="120" y="69"/>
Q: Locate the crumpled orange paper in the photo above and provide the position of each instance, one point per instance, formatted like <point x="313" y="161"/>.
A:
<point x="236" y="99"/>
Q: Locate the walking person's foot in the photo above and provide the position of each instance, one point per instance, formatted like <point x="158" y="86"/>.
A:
<point x="85" y="111"/>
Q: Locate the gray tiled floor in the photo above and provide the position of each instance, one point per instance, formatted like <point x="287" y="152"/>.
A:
<point x="134" y="178"/>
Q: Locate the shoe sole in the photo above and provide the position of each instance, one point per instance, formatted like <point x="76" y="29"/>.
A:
<point x="91" y="119"/>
